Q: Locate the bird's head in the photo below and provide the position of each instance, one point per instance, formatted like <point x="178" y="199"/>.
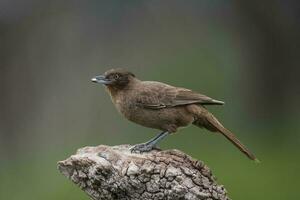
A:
<point x="115" y="78"/>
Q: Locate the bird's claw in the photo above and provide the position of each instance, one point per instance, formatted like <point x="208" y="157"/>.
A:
<point x="140" y="148"/>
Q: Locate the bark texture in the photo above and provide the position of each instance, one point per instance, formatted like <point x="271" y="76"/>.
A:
<point x="106" y="172"/>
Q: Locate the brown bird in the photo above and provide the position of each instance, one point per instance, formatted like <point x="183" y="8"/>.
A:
<point x="161" y="106"/>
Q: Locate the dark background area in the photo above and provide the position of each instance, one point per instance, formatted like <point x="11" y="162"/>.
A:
<point x="245" y="53"/>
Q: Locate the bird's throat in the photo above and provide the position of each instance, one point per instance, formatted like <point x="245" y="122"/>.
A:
<point x="113" y="91"/>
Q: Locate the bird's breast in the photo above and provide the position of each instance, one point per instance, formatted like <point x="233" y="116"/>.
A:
<point x="125" y="105"/>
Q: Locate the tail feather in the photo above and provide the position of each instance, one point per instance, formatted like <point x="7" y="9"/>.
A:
<point x="233" y="139"/>
<point x="207" y="120"/>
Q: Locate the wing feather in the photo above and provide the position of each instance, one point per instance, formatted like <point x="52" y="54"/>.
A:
<point x="156" y="95"/>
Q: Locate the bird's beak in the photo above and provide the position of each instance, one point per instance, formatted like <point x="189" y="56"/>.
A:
<point x="101" y="79"/>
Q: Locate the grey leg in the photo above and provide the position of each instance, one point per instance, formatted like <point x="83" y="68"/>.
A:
<point x="148" y="146"/>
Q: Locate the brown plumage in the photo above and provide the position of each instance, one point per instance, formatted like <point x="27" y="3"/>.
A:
<point x="161" y="106"/>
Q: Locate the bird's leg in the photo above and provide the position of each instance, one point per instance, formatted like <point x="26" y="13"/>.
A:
<point x="148" y="146"/>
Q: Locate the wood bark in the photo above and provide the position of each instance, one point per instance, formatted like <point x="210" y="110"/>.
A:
<point x="106" y="172"/>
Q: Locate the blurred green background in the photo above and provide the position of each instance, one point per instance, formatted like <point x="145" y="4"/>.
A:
<point x="245" y="53"/>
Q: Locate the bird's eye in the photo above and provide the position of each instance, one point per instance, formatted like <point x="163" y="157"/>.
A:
<point x="116" y="76"/>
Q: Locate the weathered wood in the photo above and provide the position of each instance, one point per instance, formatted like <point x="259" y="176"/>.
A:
<point x="105" y="172"/>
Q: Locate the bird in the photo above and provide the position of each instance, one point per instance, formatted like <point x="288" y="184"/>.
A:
<point x="161" y="106"/>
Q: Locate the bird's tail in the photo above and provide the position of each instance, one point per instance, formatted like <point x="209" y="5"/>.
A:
<point x="207" y="120"/>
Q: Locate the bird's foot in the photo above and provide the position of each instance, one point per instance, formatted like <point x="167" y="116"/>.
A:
<point x="143" y="147"/>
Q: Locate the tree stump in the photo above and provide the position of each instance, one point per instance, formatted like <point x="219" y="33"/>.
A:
<point x="106" y="172"/>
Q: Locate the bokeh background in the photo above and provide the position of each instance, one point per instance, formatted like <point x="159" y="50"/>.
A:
<point x="243" y="52"/>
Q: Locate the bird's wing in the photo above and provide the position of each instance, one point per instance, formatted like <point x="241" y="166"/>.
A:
<point x="156" y="95"/>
